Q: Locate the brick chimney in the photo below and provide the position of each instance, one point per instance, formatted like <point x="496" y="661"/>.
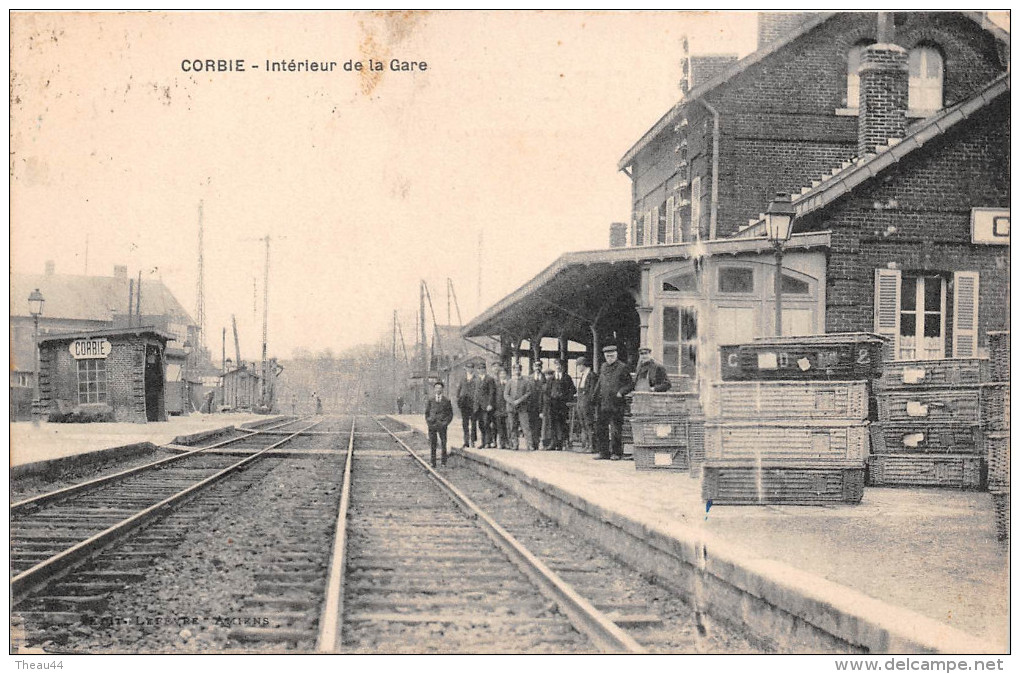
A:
<point x="51" y="268"/>
<point x="120" y="271"/>
<point x="775" y="25"/>
<point x="882" y="111"/>
<point x="618" y="235"/>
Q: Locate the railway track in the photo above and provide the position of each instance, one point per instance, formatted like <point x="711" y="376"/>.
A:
<point x="72" y="548"/>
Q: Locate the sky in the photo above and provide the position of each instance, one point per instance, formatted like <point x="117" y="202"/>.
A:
<point x="365" y="182"/>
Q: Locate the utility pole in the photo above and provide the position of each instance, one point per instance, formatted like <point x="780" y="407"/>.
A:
<point x="200" y="291"/>
<point x="265" y="326"/>
<point x="424" y="344"/>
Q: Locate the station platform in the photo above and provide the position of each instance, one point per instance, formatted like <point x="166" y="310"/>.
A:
<point x="907" y="570"/>
<point x="33" y="442"/>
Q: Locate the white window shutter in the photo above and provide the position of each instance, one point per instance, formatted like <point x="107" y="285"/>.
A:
<point x="965" y="314"/>
<point x="670" y="221"/>
<point x="649" y="231"/>
<point x="887" y="308"/>
<point x="654" y="239"/>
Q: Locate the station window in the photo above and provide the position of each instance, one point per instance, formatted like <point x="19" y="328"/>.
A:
<point x="92" y="381"/>
<point x="736" y="280"/>
<point x="924" y="88"/>
<point x="922" y="317"/>
<point x="680" y="340"/>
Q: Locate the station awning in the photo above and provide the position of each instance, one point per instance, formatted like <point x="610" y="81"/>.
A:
<point x="582" y="287"/>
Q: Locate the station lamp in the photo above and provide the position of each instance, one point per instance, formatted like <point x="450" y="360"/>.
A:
<point x="35" y="307"/>
<point x="779" y="217"/>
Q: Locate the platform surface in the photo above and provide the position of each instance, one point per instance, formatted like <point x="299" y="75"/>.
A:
<point x="932" y="551"/>
<point x="42" y="441"/>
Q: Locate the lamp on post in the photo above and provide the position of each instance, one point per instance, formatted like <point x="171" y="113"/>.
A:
<point x="35" y="307"/>
<point x="186" y="347"/>
<point x="779" y="217"/>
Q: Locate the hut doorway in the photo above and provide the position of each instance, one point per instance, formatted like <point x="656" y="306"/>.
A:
<point x="155" y="406"/>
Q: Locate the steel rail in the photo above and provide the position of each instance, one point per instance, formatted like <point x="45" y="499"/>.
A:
<point x="603" y="632"/>
<point x="331" y="618"/>
<point x="58" y="494"/>
<point x="31" y="579"/>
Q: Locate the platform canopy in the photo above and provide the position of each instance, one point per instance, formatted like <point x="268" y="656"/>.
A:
<point x="601" y="288"/>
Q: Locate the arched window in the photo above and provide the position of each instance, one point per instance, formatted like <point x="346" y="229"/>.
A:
<point x="925" y="83"/>
<point x="853" y="80"/>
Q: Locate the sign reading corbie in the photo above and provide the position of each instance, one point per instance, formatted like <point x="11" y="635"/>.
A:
<point x="90" y="348"/>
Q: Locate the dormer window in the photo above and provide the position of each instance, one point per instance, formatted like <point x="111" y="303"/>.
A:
<point x="924" y="94"/>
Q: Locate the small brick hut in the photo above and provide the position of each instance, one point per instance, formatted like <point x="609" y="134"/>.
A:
<point x="121" y="368"/>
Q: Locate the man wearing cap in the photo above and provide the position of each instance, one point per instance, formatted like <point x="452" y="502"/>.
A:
<point x="586" y="403"/>
<point x="613" y="384"/>
<point x="485" y="404"/>
<point x="561" y="392"/>
<point x="535" y="403"/>
<point x="466" y="404"/>
<point x="650" y="375"/>
<point x="518" y="394"/>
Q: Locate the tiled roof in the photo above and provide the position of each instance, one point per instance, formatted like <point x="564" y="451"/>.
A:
<point x="91" y="298"/>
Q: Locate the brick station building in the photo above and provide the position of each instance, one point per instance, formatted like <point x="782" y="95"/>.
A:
<point x="891" y="130"/>
<point x="122" y="369"/>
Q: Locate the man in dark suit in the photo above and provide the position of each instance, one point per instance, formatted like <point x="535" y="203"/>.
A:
<point x="561" y="392"/>
<point x="438" y="415"/>
<point x="485" y="404"/>
<point x="535" y="403"/>
<point x="586" y="405"/>
<point x="613" y="384"/>
<point x="466" y="404"/>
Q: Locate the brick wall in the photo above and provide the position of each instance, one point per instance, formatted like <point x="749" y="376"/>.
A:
<point x="917" y="216"/>
<point x="780" y="127"/>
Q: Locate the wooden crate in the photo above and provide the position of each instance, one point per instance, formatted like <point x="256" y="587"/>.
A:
<point x="800" y="440"/>
<point x="998" y="460"/>
<point x="749" y="485"/>
<point x="660" y="431"/>
<point x="902" y="374"/>
<point x="960" y="405"/>
<point x="998" y="352"/>
<point x="995" y="406"/>
<point x="789" y="400"/>
<point x="1000" y="505"/>
<point x="835" y="356"/>
<point x="926" y="437"/>
<point x="926" y="470"/>
<point x="651" y="404"/>
<point x="662" y="458"/>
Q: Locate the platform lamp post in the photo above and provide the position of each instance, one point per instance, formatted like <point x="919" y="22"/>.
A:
<point x="186" y="347"/>
<point x="779" y="217"/>
<point x="35" y="307"/>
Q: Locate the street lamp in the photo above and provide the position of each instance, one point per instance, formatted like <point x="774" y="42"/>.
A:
<point x="186" y="347"/>
<point x="35" y="307"/>
<point x="779" y="217"/>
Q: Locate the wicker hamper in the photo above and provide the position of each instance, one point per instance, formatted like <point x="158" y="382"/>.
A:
<point x="925" y="470"/>
<point x="662" y="458"/>
<point x="995" y="406"/>
<point x="790" y="485"/>
<point x="998" y="351"/>
<point x="924" y="373"/>
<point x="1000" y="504"/>
<point x="792" y="440"/>
<point x="959" y="405"/>
<point x="998" y="461"/>
<point x="789" y="400"/>
<point x="925" y="437"/>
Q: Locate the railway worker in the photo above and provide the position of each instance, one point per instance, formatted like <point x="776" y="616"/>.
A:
<point x="438" y="415"/>
<point x="502" y="437"/>
<point x="650" y="375"/>
<point x="561" y="392"/>
<point x="518" y="395"/>
<point x="485" y="405"/>
<point x="546" y="412"/>
<point x="466" y="404"/>
<point x="613" y="384"/>
<point x="586" y="405"/>
<point x="535" y="403"/>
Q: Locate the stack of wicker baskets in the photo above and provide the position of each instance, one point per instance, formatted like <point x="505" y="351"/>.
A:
<point x="668" y="430"/>
<point x="790" y="442"/>
<point x="995" y="422"/>
<point x="929" y="424"/>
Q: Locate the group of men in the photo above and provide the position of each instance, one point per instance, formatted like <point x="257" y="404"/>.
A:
<point x="498" y="410"/>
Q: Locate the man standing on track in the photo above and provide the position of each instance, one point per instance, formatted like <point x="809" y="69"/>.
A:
<point x="438" y="415"/>
<point x="613" y="384"/>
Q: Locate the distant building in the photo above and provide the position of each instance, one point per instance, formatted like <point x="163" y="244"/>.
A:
<point x="76" y="303"/>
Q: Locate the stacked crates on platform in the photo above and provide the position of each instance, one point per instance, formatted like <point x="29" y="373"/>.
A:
<point x="995" y="423"/>
<point x="668" y="430"/>
<point x="929" y="424"/>
<point x="789" y="422"/>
